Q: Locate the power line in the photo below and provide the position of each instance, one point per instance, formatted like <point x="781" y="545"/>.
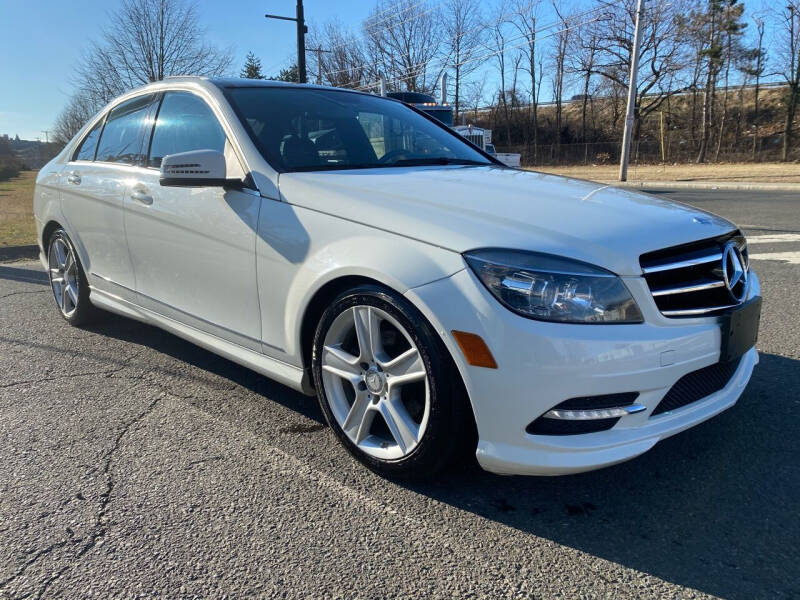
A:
<point x="487" y="55"/>
<point x="392" y="25"/>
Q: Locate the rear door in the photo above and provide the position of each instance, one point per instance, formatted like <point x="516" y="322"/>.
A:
<point x="193" y="248"/>
<point x="93" y="185"/>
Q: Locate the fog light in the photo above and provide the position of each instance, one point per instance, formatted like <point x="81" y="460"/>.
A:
<point x="602" y="413"/>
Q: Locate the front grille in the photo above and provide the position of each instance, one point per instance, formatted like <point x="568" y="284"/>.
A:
<point x="547" y="426"/>
<point x="687" y="280"/>
<point x="697" y="385"/>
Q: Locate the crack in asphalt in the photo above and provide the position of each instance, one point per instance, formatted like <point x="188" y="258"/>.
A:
<point x="64" y="376"/>
<point x="99" y="528"/>
<point x="23" y="292"/>
<point x="37" y="555"/>
<point x="126" y="363"/>
<point x="106" y="372"/>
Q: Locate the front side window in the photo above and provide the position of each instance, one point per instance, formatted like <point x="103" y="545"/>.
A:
<point x="89" y="144"/>
<point x="185" y="122"/>
<point x="122" y="137"/>
<point x="301" y="129"/>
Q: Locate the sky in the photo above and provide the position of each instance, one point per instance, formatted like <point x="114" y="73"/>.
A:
<point x="43" y="40"/>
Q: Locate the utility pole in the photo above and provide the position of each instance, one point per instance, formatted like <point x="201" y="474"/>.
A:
<point x="320" y="52"/>
<point x="630" y="113"/>
<point x="302" y="30"/>
<point x="46" y="133"/>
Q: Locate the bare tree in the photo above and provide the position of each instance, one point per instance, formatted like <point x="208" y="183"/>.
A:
<point x="146" y="41"/>
<point x="497" y="42"/>
<point x="559" y="63"/>
<point x="403" y="39"/>
<point x="464" y="30"/>
<point x="474" y="94"/>
<point x="662" y="59"/>
<point x="584" y="49"/>
<point x="733" y="29"/>
<point x="789" y="56"/>
<point x="712" y="53"/>
<point x="79" y="109"/>
<point x="524" y="20"/>
<point x="755" y="66"/>
<point x="340" y="61"/>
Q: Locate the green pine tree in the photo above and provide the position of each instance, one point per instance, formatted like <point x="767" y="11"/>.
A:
<point x="291" y="75"/>
<point x="252" y="67"/>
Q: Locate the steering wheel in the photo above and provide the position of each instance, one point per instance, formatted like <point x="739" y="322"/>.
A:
<point x="392" y="154"/>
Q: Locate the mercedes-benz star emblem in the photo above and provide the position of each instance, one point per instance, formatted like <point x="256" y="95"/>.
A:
<point x="734" y="271"/>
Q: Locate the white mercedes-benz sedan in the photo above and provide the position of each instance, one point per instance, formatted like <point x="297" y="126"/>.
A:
<point x="433" y="299"/>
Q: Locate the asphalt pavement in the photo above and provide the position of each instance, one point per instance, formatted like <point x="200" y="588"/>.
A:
<point x="134" y="464"/>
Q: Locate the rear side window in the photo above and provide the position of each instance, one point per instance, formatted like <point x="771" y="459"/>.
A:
<point x="185" y="122"/>
<point x="89" y="144"/>
<point x="121" y="140"/>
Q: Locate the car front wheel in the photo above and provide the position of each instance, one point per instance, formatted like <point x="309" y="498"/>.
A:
<point x="385" y="384"/>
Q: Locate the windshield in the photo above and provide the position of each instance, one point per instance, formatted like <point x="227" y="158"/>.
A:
<point x="305" y="129"/>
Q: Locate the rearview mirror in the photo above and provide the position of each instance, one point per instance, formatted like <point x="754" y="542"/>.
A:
<point x="197" y="168"/>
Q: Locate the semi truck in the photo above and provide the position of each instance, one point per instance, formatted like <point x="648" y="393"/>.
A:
<point x="443" y="112"/>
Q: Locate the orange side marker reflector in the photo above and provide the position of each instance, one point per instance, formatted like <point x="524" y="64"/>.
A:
<point x="475" y="349"/>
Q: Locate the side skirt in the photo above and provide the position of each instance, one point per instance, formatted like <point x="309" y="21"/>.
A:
<point x="288" y="375"/>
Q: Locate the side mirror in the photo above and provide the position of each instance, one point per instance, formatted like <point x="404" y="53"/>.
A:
<point x="197" y="168"/>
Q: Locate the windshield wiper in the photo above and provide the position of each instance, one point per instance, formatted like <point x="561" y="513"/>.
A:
<point x="436" y="160"/>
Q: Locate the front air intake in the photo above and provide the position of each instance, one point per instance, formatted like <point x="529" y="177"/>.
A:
<point x="697" y="385"/>
<point x="585" y="415"/>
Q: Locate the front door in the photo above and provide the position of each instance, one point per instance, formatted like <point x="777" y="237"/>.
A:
<point x="193" y="249"/>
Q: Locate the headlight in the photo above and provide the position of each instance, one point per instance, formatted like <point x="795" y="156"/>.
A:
<point x="550" y="288"/>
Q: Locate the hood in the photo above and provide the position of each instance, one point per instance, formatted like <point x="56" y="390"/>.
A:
<point x="464" y="208"/>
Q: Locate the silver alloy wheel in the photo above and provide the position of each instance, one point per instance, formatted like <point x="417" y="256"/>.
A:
<point x="63" y="276"/>
<point x="364" y="380"/>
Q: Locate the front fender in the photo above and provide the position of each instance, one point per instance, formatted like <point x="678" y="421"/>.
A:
<point x="396" y="262"/>
<point x="300" y="251"/>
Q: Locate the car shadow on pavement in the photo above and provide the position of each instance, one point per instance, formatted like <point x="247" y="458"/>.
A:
<point x="713" y="508"/>
<point x="23" y="275"/>
<point x="134" y="332"/>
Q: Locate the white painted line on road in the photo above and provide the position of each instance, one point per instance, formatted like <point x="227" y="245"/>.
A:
<point x="793" y="258"/>
<point x="773" y="238"/>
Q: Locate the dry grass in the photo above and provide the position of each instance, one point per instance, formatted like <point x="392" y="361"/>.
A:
<point x="17" y="227"/>
<point x="718" y="173"/>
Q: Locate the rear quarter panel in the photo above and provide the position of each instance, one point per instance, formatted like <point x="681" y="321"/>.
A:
<point x="47" y="199"/>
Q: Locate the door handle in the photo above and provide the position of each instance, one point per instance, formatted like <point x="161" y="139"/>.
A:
<point x="141" y="196"/>
<point x="74" y="178"/>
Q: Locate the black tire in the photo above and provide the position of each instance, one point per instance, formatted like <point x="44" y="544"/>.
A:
<point x="450" y="424"/>
<point x="84" y="311"/>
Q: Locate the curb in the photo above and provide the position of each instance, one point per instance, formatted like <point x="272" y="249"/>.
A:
<point x="691" y="185"/>
<point x="19" y="252"/>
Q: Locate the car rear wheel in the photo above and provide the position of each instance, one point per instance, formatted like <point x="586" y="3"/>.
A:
<point x="67" y="279"/>
<point x="386" y="385"/>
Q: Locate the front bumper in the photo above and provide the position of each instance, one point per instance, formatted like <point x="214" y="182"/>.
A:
<point x="542" y="364"/>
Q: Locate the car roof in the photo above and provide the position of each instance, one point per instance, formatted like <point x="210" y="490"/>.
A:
<point x="228" y="82"/>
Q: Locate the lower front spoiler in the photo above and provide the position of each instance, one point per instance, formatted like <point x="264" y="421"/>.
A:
<point x="563" y="455"/>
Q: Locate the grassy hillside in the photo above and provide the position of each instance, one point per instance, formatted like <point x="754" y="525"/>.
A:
<point x="604" y="122"/>
<point x="17" y="226"/>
